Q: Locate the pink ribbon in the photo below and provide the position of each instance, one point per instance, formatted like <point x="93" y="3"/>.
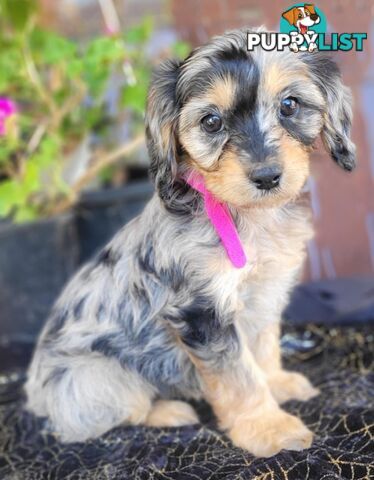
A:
<point x="219" y="215"/>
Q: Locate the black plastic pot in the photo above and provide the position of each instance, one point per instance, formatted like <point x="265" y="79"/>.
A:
<point x="36" y="260"/>
<point x="100" y="214"/>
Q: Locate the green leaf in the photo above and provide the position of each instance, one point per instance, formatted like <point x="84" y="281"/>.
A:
<point x="96" y="80"/>
<point x="25" y="213"/>
<point x="31" y="179"/>
<point x="134" y="96"/>
<point x="93" y="116"/>
<point x="99" y="61"/>
<point x="11" y="66"/>
<point x="47" y="152"/>
<point x="10" y="196"/>
<point x="18" y="12"/>
<point x="180" y="49"/>
<point x="63" y="65"/>
<point x="7" y="147"/>
<point x="15" y="194"/>
<point x="140" y="33"/>
<point x="49" y="149"/>
<point x="74" y="68"/>
<point x="104" y="49"/>
<point x="50" y="48"/>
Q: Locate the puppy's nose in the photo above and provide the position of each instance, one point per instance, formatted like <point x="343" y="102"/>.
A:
<point x="266" y="178"/>
<point x="314" y="17"/>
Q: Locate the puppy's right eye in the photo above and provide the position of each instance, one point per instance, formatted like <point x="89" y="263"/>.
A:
<point x="212" y="123"/>
<point x="289" y="106"/>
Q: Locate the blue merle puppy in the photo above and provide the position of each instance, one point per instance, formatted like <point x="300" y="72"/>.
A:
<point x="161" y="315"/>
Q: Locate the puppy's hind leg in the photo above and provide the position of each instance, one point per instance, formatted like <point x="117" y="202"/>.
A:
<point x="86" y="396"/>
<point x="171" y="413"/>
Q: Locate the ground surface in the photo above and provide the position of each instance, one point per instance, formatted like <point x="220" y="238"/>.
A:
<point x="338" y="360"/>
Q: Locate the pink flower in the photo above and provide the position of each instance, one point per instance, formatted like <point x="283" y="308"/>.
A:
<point x="7" y="109"/>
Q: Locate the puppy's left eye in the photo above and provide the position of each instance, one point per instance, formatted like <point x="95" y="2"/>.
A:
<point x="289" y="106"/>
<point x="212" y="123"/>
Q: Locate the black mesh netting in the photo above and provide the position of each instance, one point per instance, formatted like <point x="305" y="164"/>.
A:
<point x="338" y="360"/>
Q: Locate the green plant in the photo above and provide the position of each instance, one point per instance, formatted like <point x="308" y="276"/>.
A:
<point x="60" y="91"/>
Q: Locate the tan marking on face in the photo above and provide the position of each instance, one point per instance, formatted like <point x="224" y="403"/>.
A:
<point x="221" y="94"/>
<point x="277" y="77"/>
<point x="227" y="172"/>
<point x="228" y="182"/>
<point x="198" y="149"/>
<point x="295" y="161"/>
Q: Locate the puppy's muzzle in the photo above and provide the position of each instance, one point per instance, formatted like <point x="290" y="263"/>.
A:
<point x="266" y="178"/>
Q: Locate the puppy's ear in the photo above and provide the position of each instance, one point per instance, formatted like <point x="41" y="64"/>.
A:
<point x="161" y="126"/>
<point x="289" y="15"/>
<point x="337" y="123"/>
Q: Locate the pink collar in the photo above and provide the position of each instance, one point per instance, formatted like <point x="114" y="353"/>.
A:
<point x="222" y="221"/>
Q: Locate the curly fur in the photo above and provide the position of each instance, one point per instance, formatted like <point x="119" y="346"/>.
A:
<point x="161" y="314"/>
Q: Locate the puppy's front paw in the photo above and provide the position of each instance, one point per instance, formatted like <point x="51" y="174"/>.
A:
<point x="291" y="386"/>
<point x="294" y="47"/>
<point x="266" y="435"/>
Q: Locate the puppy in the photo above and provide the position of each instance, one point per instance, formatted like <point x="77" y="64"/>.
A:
<point x="162" y="314"/>
<point x="302" y="18"/>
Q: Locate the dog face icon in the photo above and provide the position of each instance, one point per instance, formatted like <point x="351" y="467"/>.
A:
<point x="302" y="17"/>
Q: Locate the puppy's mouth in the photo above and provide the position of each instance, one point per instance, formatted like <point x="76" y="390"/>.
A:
<point x="303" y="28"/>
<point x="263" y="194"/>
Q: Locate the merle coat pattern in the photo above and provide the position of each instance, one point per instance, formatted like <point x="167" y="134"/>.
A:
<point x="161" y="314"/>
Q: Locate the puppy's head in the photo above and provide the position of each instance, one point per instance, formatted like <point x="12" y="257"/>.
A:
<point x="245" y="121"/>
